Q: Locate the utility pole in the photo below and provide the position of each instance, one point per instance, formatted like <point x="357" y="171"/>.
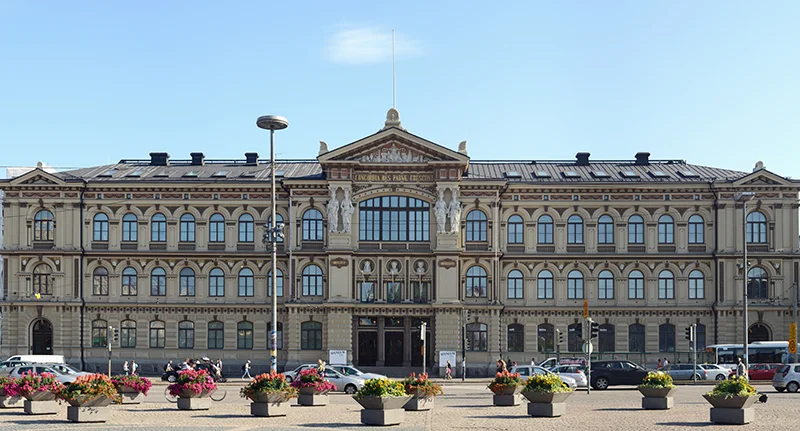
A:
<point x="691" y="335"/>
<point x="422" y="337"/>
<point x="793" y="328"/>
<point x="108" y="344"/>
<point x="463" y="345"/>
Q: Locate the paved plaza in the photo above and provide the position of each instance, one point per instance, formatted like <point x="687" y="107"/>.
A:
<point x="463" y="407"/>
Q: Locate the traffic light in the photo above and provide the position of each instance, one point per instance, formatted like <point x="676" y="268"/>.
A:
<point x="560" y="336"/>
<point x="690" y="333"/>
<point x="115" y="335"/>
<point x="595" y="328"/>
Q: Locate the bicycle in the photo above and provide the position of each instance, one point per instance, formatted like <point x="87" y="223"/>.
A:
<point x="215" y="395"/>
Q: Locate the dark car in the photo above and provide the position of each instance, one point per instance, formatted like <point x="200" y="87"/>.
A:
<point x="613" y="373"/>
<point x="172" y="376"/>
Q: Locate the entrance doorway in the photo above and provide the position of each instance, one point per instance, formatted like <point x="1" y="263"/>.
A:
<point x="367" y="348"/>
<point x="42" y="338"/>
<point x="416" y="349"/>
<point x="758" y="332"/>
<point x="393" y="344"/>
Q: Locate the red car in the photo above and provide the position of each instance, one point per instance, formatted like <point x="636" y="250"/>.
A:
<point x="762" y="371"/>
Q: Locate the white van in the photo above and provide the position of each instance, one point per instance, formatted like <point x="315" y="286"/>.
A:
<point x="38" y="359"/>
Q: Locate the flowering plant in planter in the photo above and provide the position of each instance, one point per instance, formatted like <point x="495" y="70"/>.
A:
<point x="266" y="384"/>
<point x="311" y="378"/>
<point x="546" y="383"/>
<point x="504" y="380"/>
<point x="5" y="381"/>
<point x="32" y="384"/>
<point x="88" y="388"/>
<point x="735" y="387"/>
<point x="133" y="382"/>
<point x="657" y="380"/>
<point x="193" y="382"/>
<point x="380" y="388"/>
<point x="419" y="384"/>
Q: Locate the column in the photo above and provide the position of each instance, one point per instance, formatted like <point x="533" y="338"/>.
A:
<point x="407" y="342"/>
<point x="381" y="342"/>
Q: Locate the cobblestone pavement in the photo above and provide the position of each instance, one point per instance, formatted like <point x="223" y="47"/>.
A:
<point x="463" y="407"/>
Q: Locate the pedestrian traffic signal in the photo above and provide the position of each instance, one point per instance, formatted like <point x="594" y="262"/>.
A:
<point x="689" y="333"/>
<point x="595" y="328"/>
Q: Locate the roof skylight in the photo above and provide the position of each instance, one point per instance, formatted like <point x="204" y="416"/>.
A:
<point x="629" y="174"/>
<point x="220" y="174"/>
<point x="600" y="174"/>
<point x="571" y="174"/>
<point x="512" y="174"/>
<point x="109" y="173"/>
<point x="542" y="174"/>
<point x="191" y="174"/>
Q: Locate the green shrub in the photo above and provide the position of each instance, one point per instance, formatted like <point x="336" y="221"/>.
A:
<point x="657" y="380"/>
<point x="735" y="387"/>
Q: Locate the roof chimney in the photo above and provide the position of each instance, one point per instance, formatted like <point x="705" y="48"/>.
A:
<point x="159" y="159"/>
<point x="642" y="159"/>
<point x="582" y="159"/>
<point x="198" y="159"/>
<point x="252" y="158"/>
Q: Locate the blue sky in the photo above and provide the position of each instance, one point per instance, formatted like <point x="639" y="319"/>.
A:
<point x="713" y="82"/>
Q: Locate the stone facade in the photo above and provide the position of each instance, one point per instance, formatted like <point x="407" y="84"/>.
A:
<point x="171" y="253"/>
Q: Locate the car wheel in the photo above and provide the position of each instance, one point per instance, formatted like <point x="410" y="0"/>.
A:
<point x="288" y="379"/>
<point x="720" y="377"/>
<point x="780" y="389"/>
<point x="350" y="389"/>
<point x="600" y="383"/>
<point x="698" y="377"/>
<point x="171" y="378"/>
<point x="792" y="387"/>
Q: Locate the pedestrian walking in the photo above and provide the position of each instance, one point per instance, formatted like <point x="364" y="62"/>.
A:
<point x="660" y="364"/>
<point x="134" y="368"/>
<point x="533" y="362"/>
<point x="219" y="366"/>
<point x="449" y="371"/>
<point x="666" y="362"/>
<point x="125" y="367"/>
<point x="168" y="367"/>
<point x="740" y="370"/>
<point x="321" y="366"/>
<point x="246" y="370"/>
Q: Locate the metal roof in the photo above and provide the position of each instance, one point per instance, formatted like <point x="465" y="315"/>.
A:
<point x="236" y="171"/>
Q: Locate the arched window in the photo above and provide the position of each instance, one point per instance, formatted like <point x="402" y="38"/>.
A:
<point x="666" y="285"/>
<point x="546" y="338"/>
<point x="666" y="337"/>
<point x="158" y="282"/>
<point x="278" y="281"/>
<point x="44" y="225"/>
<point x="41" y="280"/>
<point x="636" y="285"/>
<point x="575" y="285"/>
<point x="158" y="334"/>
<point x="575" y="337"/>
<point x="158" y="228"/>
<point x="127" y="334"/>
<point x="476" y="282"/>
<point x="279" y="335"/>
<point x="516" y="338"/>
<point x="544" y="284"/>
<point x="246" y="228"/>
<point x="477" y="337"/>
<point x="216" y="335"/>
<point x="312" y="280"/>
<point x="393" y="218"/>
<point x="516" y="230"/>
<point x="666" y="230"/>
<point x="100" y="282"/>
<point x="279" y="219"/>
<point x="186" y="282"/>
<point x="636" y="229"/>
<point x="757" y="284"/>
<point x="758" y="332"/>
<point x="606" y="338"/>
<point x="130" y="282"/>
<point x="99" y="333"/>
<point x="246" y="282"/>
<point x="186" y="335"/>
<point x="700" y="334"/>
<point x="311" y="336"/>
<point x="605" y="230"/>
<point x="312" y="225"/>
<point x="100" y="227"/>
<point x="696" y="285"/>
<point x="216" y="282"/>
<point x="756" y="228"/>
<point x="605" y="285"/>
<point x="545" y="229"/>
<point x="476" y="226"/>
<point x="636" y="338"/>
<point x="515" y="285"/>
<point x="575" y="229"/>
<point x="130" y="228"/>
<point x="696" y="231"/>
<point x="216" y="228"/>
<point x="187" y="228"/>
<point x="244" y="335"/>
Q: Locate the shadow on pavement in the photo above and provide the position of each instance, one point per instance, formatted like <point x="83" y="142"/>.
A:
<point x="685" y="424"/>
<point x="165" y="409"/>
<point x="619" y="409"/>
<point x="38" y="422"/>
<point x="330" y="425"/>
<point x="470" y="407"/>
<point x="498" y="417"/>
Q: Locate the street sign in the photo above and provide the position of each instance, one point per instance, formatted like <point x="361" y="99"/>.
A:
<point x="793" y="339"/>
<point x="585" y="308"/>
<point x="588" y="348"/>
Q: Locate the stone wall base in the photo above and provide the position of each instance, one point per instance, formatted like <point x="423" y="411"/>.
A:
<point x="506" y="400"/>
<point x="268" y="410"/>
<point x="42" y="407"/>
<point x="88" y="414"/>
<point x="657" y="403"/>
<point x="547" y="410"/>
<point x="732" y="416"/>
<point x="382" y="417"/>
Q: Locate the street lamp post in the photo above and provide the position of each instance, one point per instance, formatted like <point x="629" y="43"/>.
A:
<point x="743" y="197"/>
<point x="273" y="123"/>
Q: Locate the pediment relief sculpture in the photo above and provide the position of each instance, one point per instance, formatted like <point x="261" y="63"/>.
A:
<point x="393" y="153"/>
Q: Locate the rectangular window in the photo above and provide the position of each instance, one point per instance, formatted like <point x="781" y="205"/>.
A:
<point x="158" y="231"/>
<point x="394" y="292"/>
<point x="394" y="218"/>
<point x="636" y="233"/>
<point x="367" y="291"/>
<point x="605" y="288"/>
<point x="421" y="291"/>
<point x="545" y="288"/>
<point x="605" y="233"/>
<point x="575" y="288"/>
<point x="666" y="288"/>
<point x="216" y="336"/>
<point x="545" y="234"/>
<point x="575" y="233"/>
<point x="129" y="231"/>
<point x="515" y="288"/>
<point x="636" y="288"/>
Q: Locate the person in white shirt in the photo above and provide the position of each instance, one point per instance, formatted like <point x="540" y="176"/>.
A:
<point x="134" y="367"/>
<point x="125" y="367"/>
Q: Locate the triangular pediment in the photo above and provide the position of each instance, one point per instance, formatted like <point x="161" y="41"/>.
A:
<point x="763" y="177"/>
<point x="37" y="176"/>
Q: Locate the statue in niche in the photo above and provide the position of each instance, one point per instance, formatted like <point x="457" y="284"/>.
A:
<point x="347" y="210"/>
<point x="393" y="269"/>
<point x="420" y="267"/>
<point x="440" y="208"/>
<point x="454" y="211"/>
<point x="333" y="211"/>
<point x="366" y="267"/>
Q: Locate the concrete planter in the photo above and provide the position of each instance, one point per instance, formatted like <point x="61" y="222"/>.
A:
<point x="88" y="414"/>
<point x="657" y="398"/>
<point x="11" y="402"/>
<point x="419" y="403"/>
<point x="42" y="407"/>
<point x="41" y="396"/>
<point x="383" y="411"/>
<point x="88" y="401"/>
<point x="130" y="395"/>
<point x="734" y="410"/>
<point x="547" y="404"/>
<point x="507" y="396"/>
<point x="311" y="397"/>
<point x="269" y="404"/>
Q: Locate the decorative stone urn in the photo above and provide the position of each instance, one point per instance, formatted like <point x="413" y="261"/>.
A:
<point x="84" y="408"/>
<point x="547" y="404"/>
<point x="734" y="410"/>
<point x="130" y="395"/>
<point x="188" y="400"/>
<point x="15" y="402"/>
<point x="508" y="396"/>
<point x="419" y="401"/>
<point x="269" y="404"/>
<point x="383" y="411"/>
<point x="309" y="396"/>
<point x="657" y="398"/>
<point x="41" y="403"/>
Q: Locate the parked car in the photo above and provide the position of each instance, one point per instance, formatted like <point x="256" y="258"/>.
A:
<point x="576" y="372"/>
<point x="38" y="359"/>
<point x="349" y="370"/>
<point x="611" y="373"/>
<point x="549" y="363"/>
<point x="787" y="378"/>
<point x="346" y="384"/>
<point x="7" y="366"/>
<point x="685" y="371"/>
<point x="716" y="372"/>
<point x="46" y="368"/>
<point x="526" y="371"/>
<point x="762" y="371"/>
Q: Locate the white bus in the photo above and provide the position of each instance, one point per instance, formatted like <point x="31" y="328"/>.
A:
<point x="760" y="352"/>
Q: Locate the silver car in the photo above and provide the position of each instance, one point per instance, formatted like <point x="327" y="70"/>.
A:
<point x="574" y="372"/>
<point x="346" y="384"/>
<point x="715" y="372"/>
<point x="349" y="370"/>
<point x="685" y="372"/>
<point x="64" y="378"/>
<point x="526" y="371"/>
